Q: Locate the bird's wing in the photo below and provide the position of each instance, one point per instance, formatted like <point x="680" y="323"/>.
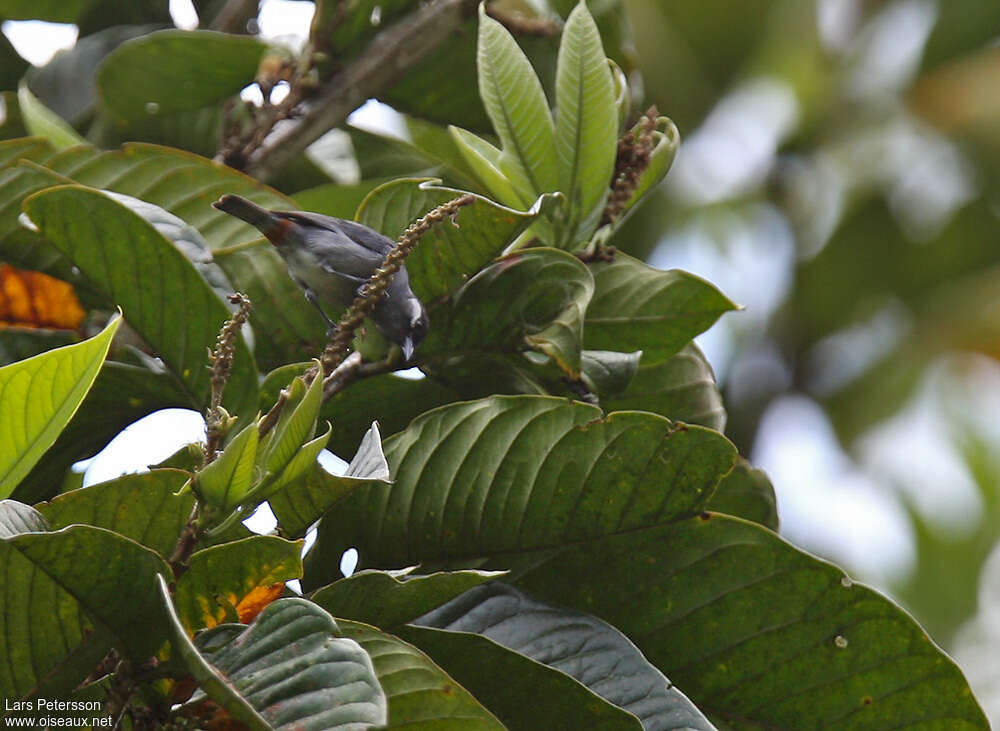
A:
<point x="366" y="237"/>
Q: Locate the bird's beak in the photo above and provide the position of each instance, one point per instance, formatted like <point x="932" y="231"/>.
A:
<point x="407" y="348"/>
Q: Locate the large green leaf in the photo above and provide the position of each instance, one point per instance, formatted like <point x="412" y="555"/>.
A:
<point x="302" y="503"/>
<point x="448" y="255"/>
<point x="585" y="648"/>
<point x="516" y="104"/>
<point x="67" y="83"/>
<point x="682" y="388"/>
<point x="637" y="307"/>
<point x="758" y="633"/>
<point x="121" y="395"/>
<point x="586" y="124"/>
<point x="746" y="493"/>
<point x="390" y="598"/>
<point x="149" y="281"/>
<point x="165" y="72"/>
<point x="43" y="122"/>
<point x="531" y="696"/>
<point x="513" y="474"/>
<point x="420" y="694"/>
<point x="48" y="640"/>
<point x="38" y="396"/>
<point x="219" y="577"/>
<point x="18" y="245"/>
<point x="143" y="507"/>
<point x="210" y="680"/>
<point x="293" y="665"/>
<point x="531" y="299"/>
<point x="92" y="565"/>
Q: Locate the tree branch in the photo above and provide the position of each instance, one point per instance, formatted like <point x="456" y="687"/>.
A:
<point x="389" y="56"/>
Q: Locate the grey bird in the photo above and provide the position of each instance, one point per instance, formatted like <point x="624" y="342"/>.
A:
<point x="331" y="259"/>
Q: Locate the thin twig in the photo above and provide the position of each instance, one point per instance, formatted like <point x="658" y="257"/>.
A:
<point x="352" y="369"/>
<point x="386" y="60"/>
<point x="524" y="26"/>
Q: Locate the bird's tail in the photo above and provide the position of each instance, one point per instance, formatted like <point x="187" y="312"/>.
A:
<point x="248" y="211"/>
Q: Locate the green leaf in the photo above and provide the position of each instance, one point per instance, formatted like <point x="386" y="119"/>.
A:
<point x="143" y="507"/>
<point x="420" y="694"/>
<point x="585" y="648"/>
<point x="214" y="683"/>
<point x="414" y="148"/>
<point x="296" y="669"/>
<point x="296" y="425"/>
<point x="219" y="577"/>
<point x="388" y="599"/>
<point x="586" y="130"/>
<point x="303" y="462"/>
<point x="18" y="518"/>
<point x="747" y="493"/>
<point x="753" y="629"/>
<point x="609" y="373"/>
<point x="18" y="343"/>
<point x="53" y="11"/>
<point x="637" y="307"/>
<point x="484" y="159"/>
<point x="43" y="122"/>
<point x="226" y="481"/>
<point x="513" y="474"/>
<point x="67" y="83"/>
<point x="38" y="396"/>
<point x="121" y="395"/>
<point x="516" y="104"/>
<point x="185" y="238"/>
<point x="19" y="245"/>
<point x="299" y="505"/>
<point x="532" y="695"/>
<point x="393" y="401"/>
<point x="334" y="199"/>
<point x="533" y="298"/>
<point x="92" y="565"/>
<point x="48" y="642"/>
<point x="151" y="278"/>
<point x="447" y="256"/>
<point x="164" y="72"/>
<point x="682" y="388"/>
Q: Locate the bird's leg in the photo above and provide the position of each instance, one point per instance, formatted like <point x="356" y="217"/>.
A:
<point x="311" y="296"/>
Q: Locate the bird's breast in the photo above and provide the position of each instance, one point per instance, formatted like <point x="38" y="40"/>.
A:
<point x="306" y="269"/>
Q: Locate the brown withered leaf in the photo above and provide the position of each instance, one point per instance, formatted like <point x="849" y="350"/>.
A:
<point x="33" y="299"/>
